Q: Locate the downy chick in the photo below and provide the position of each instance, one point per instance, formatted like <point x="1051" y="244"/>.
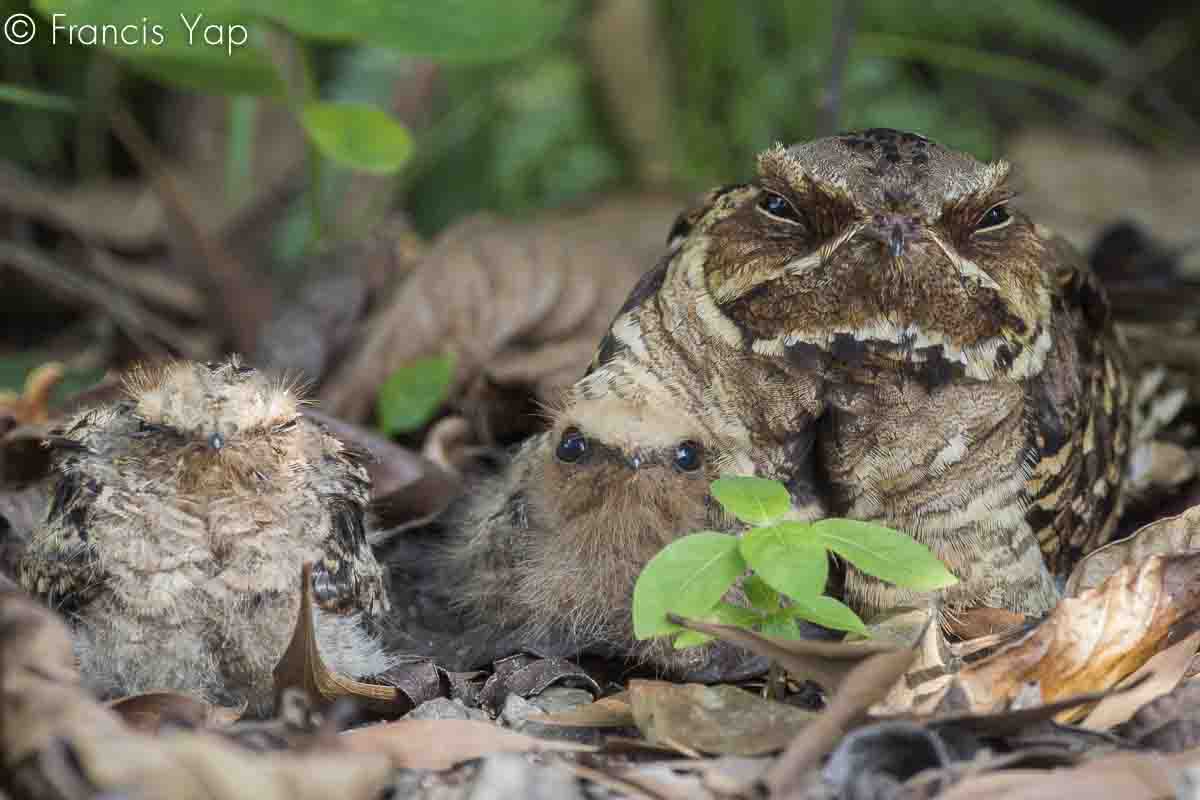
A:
<point x="180" y="520"/>
<point x="551" y="548"/>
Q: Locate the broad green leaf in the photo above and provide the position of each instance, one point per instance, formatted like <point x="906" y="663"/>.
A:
<point x="887" y="554"/>
<point x="829" y="612"/>
<point x="409" y="398"/>
<point x="208" y="49"/>
<point x="756" y="501"/>
<point x="760" y="594"/>
<point x="722" y="614"/>
<point x="788" y="557"/>
<point x="782" y="624"/>
<point x="357" y="135"/>
<point x="32" y="98"/>
<point x="463" y="31"/>
<point x="688" y="577"/>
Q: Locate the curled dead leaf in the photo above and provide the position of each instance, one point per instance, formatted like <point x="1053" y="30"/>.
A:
<point x="1175" y="534"/>
<point x="1090" y="642"/>
<point x="301" y="666"/>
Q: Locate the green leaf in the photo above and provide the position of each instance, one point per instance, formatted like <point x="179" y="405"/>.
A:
<point x="722" y="614"/>
<point x="32" y="98"/>
<point x="210" y="49"/>
<point x="829" y="612"/>
<point x="759" y="593"/>
<point x="757" y="501"/>
<point x="413" y="393"/>
<point x="887" y="554"/>
<point x="463" y="31"/>
<point x="688" y="577"/>
<point x="788" y="557"/>
<point x="782" y="624"/>
<point x="357" y="135"/>
<point x="691" y="639"/>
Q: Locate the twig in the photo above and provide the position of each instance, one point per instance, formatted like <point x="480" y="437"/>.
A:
<point x="1157" y="49"/>
<point x="844" y="21"/>
<point x="135" y="320"/>
<point x="236" y="300"/>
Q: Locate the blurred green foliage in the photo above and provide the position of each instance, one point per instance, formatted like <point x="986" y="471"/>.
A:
<point x="519" y="121"/>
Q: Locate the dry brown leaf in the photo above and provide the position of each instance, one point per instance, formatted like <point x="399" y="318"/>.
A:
<point x="149" y="711"/>
<point x="1158" y="676"/>
<point x="57" y="740"/>
<point x="723" y="720"/>
<point x="826" y="663"/>
<point x="125" y="214"/>
<point x="1089" y="642"/>
<point x="519" y="302"/>
<point x="1175" y="534"/>
<point x="613" y="711"/>
<point x="977" y="622"/>
<point x="301" y="666"/>
<point x="865" y="686"/>
<point x="441" y="743"/>
<point x="1141" y="776"/>
<point x="32" y="405"/>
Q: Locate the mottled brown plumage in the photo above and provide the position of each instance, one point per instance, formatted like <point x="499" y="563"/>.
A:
<point x="871" y="317"/>
<point x="179" y="522"/>
<point x="867" y="321"/>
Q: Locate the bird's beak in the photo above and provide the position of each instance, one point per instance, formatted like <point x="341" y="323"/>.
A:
<point x="635" y="460"/>
<point x="216" y="441"/>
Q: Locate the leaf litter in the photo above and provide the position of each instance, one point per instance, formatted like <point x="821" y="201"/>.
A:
<point x="972" y="708"/>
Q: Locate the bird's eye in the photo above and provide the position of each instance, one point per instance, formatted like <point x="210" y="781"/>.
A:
<point x="687" y="456"/>
<point x="777" y="206"/>
<point x="572" y="446"/>
<point x="995" y="217"/>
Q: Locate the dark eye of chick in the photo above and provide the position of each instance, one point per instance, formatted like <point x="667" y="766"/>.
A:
<point x="777" y="206"/>
<point x="688" y="456"/>
<point x="572" y="446"/>
<point x="994" y="217"/>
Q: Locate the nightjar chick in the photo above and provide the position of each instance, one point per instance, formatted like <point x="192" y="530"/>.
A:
<point x="179" y="523"/>
<point x="551" y="547"/>
<point x="873" y="320"/>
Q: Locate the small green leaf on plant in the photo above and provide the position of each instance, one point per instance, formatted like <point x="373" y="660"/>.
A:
<point x="722" y="614"/>
<point x="884" y="553"/>
<point x="788" y="557"/>
<point x="759" y="593"/>
<point x="781" y="624"/>
<point x="412" y="394"/>
<point x="688" y="577"/>
<point x="756" y="501"/>
<point x="358" y="136"/>
<point x="829" y="612"/>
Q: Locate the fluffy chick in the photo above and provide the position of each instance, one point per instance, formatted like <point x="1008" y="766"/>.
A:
<point x="180" y="519"/>
<point x="551" y="548"/>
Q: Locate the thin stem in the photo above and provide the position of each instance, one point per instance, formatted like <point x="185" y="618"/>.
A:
<point x="1016" y="70"/>
<point x="844" y="22"/>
